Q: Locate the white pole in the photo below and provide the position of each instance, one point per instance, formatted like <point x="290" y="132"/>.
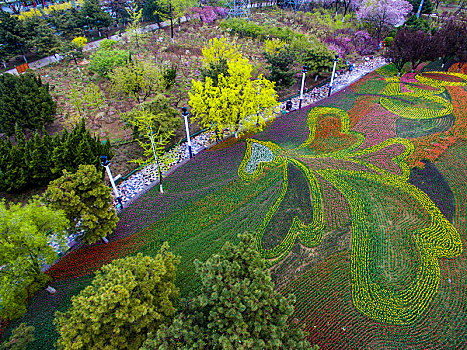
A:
<point x="117" y="195"/>
<point x="332" y="76"/>
<point x="301" y="89"/>
<point x="187" y="129"/>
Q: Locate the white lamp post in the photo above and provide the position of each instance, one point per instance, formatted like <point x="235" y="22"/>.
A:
<point x="187" y="128"/>
<point x="304" y="70"/>
<point x="151" y="136"/>
<point x="332" y="75"/>
<point x="106" y="164"/>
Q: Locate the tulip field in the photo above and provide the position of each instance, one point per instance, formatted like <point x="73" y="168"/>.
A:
<point x="358" y="203"/>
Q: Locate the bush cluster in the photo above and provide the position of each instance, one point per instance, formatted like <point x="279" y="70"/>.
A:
<point x="246" y="28"/>
<point x="35" y="162"/>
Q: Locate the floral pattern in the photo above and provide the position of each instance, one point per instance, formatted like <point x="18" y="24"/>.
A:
<point x="348" y="170"/>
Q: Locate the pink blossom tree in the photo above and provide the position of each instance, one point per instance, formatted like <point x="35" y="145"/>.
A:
<point x="380" y="15"/>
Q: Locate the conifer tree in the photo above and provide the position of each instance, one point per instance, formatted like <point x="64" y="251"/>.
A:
<point x="236" y="309"/>
<point x="126" y="299"/>
<point x="26" y="102"/>
<point x="86" y="201"/>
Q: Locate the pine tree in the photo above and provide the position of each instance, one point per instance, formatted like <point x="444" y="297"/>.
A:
<point x="126" y="299"/>
<point x="237" y="308"/>
<point x="26" y="102"/>
<point x="86" y="201"/>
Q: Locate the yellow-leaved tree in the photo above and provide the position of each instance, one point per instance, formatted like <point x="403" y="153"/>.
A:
<point x="238" y="102"/>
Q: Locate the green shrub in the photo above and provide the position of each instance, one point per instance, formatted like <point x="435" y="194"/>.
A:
<point x="106" y="59"/>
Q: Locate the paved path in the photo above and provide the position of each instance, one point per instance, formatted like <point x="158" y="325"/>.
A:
<point x="142" y="181"/>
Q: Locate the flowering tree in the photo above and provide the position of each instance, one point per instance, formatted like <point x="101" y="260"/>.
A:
<point x="382" y="14"/>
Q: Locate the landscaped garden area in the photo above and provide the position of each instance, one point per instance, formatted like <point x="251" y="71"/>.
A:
<point x="355" y="204"/>
<point x="372" y="249"/>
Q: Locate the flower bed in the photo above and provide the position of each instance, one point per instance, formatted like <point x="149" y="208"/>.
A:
<point x="371" y="248"/>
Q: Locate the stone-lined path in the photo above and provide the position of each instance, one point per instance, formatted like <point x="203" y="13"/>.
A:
<point x="142" y="181"/>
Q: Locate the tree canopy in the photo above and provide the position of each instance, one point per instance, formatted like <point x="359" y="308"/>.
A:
<point x="126" y="299"/>
<point x="238" y="102"/>
<point x="382" y="15"/>
<point x="25" y="236"/>
<point x="86" y="201"/>
<point x="237" y="307"/>
<point x="26" y="102"/>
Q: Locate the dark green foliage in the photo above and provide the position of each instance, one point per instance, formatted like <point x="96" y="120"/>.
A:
<point x="26" y="102"/>
<point x="35" y="162"/>
<point x="237" y="308"/>
<point x="169" y="74"/>
<point x="214" y="69"/>
<point x="415" y="23"/>
<point x="318" y="59"/>
<point x="126" y="299"/>
<point x="281" y="68"/>
<point x="39" y="36"/>
<point x="427" y="6"/>
<point x="66" y="22"/>
<point x="96" y="17"/>
<point x="12" y="37"/>
<point x="20" y="338"/>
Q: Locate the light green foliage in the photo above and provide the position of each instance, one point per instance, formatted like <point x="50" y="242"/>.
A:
<point x="105" y="59"/>
<point x="238" y="103"/>
<point x="126" y="299"/>
<point x="86" y="201"/>
<point x="137" y="79"/>
<point x="25" y="234"/>
<point x="158" y="117"/>
<point x="107" y="44"/>
<point x="247" y="28"/>
<point x="133" y="29"/>
<point x="20" y="338"/>
<point x="85" y="102"/>
<point x="237" y="307"/>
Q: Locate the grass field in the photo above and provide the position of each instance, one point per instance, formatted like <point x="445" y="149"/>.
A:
<point x="358" y="203"/>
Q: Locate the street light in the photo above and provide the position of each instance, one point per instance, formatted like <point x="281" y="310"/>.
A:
<point x="105" y="163"/>
<point x="304" y="70"/>
<point x="187" y="128"/>
<point x="332" y="75"/>
<point x="151" y="136"/>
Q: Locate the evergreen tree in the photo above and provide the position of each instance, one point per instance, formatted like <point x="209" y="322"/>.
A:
<point x="21" y="336"/>
<point x="237" y="308"/>
<point x="91" y="12"/>
<point x="39" y="36"/>
<point x="86" y="201"/>
<point x="280" y="65"/>
<point x="26" y="102"/>
<point x="427" y="7"/>
<point x="126" y="299"/>
<point x="12" y="38"/>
